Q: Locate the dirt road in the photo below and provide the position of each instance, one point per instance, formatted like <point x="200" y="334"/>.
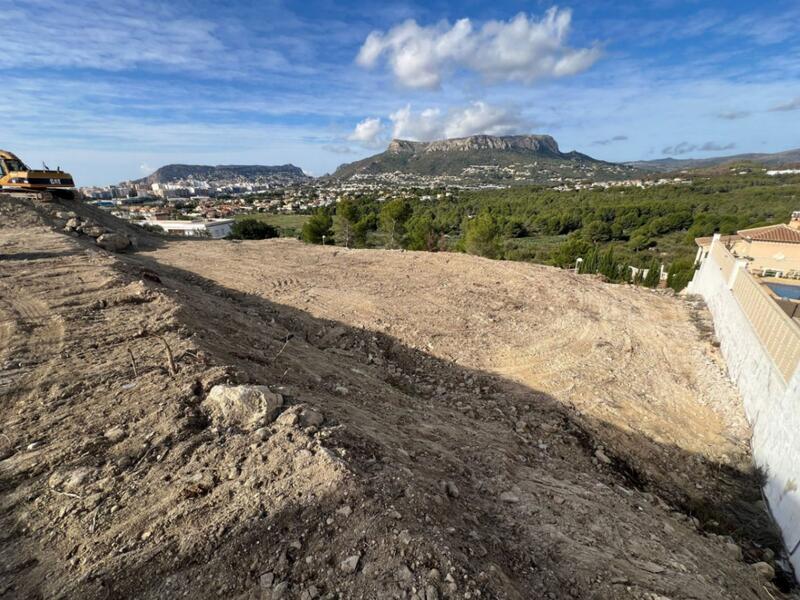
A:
<point x="451" y="428"/>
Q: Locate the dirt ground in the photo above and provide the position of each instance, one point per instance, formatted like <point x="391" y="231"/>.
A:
<point x="451" y="427"/>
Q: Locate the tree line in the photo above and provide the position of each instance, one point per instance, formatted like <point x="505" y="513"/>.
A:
<point x="611" y="230"/>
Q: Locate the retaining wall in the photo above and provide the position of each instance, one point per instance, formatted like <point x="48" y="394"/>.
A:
<point x="770" y="391"/>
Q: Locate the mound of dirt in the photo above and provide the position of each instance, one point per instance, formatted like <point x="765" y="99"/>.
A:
<point x="439" y="433"/>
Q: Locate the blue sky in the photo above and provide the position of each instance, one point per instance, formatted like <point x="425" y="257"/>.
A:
<point x="112" y="89"/>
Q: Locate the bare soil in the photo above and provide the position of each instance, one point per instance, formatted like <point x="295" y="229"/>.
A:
<point x="488" y="430"/>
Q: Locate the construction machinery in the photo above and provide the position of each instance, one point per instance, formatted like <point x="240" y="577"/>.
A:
<point x="15" y="176"/>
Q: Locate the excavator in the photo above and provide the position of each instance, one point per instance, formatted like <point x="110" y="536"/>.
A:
<point x="15" y="176"/>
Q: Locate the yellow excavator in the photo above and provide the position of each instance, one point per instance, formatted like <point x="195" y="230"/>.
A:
<point x="15" y="176"/>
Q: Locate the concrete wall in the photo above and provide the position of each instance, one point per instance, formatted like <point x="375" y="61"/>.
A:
<point x="772" y="402"/>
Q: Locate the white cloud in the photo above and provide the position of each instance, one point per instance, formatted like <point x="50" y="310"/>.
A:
<point x="686" y="148"/>
<point x="787" y="106"/>
<point x="437" y="124"/>
<point x="145" y="168"/>
<point x="369" y="133"/>
<point x="477" y="118"/>
<point x="522" y="49"/>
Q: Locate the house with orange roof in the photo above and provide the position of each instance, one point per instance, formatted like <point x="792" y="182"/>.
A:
<point x="771" y="251"/>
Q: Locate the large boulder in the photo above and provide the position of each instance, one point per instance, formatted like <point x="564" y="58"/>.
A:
<point x="113" y="242"/>
<point x="247" y="407"/>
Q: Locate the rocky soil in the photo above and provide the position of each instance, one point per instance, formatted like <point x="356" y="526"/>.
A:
<point x="270" y="420"/>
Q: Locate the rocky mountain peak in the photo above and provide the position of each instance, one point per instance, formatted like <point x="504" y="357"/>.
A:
<point x="530" y="143"/>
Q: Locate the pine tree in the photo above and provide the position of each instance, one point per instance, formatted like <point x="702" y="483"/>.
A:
<point x="653" y="274"/>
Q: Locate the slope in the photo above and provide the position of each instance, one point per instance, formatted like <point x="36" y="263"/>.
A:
<point x="391" y="470"/>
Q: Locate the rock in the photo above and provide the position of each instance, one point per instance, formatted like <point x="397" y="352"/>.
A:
<point x="431" y="593"/>
<point x="288" y="418"/>
<point x="266" y="580"/>
<point x="350" y="564"/>
<point x="248" y="407"/>
<point x="262" y="433"/>
<point x="764" y="570"/>
<point x="94" y="231"/>
<point x="199" y="483"/>
<point x="280" y="590"/>
<point x="311" y="418"/>
<point x="601" y="456"/>
<point x="113" y="242"/>
<point x="344" y="511"/>
<point x="509" y="497"/>
<point x="74" y="480"/>
<point x="733" y="550"/>
<point x="451" y="489"/>
<point x="768" y="554"/>
<point x="404" y="576"/>
<point x="73" y="223"/>
<point x="434" y="575"/>
<point x="115" y="434"/>
<point x="309" y="593"/>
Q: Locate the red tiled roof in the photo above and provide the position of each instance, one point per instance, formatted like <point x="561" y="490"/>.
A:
<point x="774" y="233"/>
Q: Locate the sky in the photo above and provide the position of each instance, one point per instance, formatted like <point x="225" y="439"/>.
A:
<point x="112" y="89"/>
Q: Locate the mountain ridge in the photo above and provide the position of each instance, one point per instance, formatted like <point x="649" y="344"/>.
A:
<point x="178" y="171"/>
<point x="473" y="157"/>
<point x="767" y="159"/>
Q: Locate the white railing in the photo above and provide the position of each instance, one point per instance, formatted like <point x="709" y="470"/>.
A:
<point x="778" y="333"/>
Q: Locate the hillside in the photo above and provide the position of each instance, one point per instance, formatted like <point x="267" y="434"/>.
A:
<point x="526" y="158"/>
<point x="177" y="172"/>
<point x="776" y="159"/>
<point x="440" y="426"/>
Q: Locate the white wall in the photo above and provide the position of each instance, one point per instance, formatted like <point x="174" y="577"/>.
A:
<point x="772" y="405"/>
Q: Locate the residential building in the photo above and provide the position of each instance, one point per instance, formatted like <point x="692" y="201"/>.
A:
<point x="771" y="251"/>
<point x="214" y="229"/>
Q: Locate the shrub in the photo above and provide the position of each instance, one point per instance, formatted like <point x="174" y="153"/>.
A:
<point x="680" y="273"/>
<point x="252" y="229"/>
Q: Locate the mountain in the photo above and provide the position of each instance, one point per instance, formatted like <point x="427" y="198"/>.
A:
<point x="484" y="158"/>
<point x="173" y="173"/>
<point x="776" y="159"/>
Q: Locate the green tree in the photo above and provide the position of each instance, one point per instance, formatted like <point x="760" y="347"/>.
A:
<point x="680" y="273"/>
<point x="568" y="252"/>
<point x="361" y="229"/>
<point x="252" y="229"/>
<point x="421" y="233"/>
<point x="609" y="266"/>
<point x="653" y="274"/>
<point x="349" y="215"/>
<point x="597" y="231"/>
<point x="481" y="236"/>
<point x="317" y="226"/>
<point x="590" y="262"/>
<point x="393" y="217"/>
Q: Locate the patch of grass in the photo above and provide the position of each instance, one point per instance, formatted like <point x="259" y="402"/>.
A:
<point x="289" y="226"/>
